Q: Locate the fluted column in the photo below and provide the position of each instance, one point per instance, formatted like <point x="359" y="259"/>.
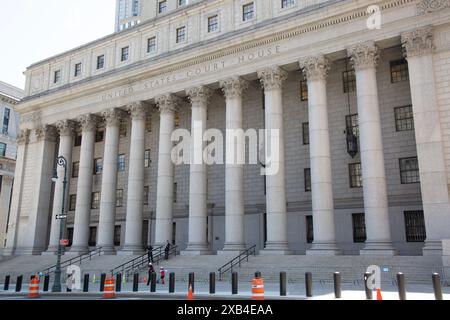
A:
<point x="233" y="88"/>
<point x="5" y="197"/>
<point x="167" y="105"/>
<point x="272" y="79"/>
<point x="364" y="58"/>
<point x="107" y="215"/>
<point x="66" y="132"/>
<point x="316" y="71"/>
<point x="135" y="194"/>
<point x="84" y="187"/>
<point x="198" y="238"/>
<point x="418" y="46"/>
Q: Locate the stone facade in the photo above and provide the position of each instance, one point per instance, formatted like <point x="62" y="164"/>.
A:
<point x="248" y="75"/>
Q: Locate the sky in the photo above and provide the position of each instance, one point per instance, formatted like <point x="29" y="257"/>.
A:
<point x="33" y="30"/>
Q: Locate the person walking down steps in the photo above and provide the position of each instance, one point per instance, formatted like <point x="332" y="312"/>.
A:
<point x="167" y="250"/>
<point x="151" y="270"/>
<point x="150" y="253"/>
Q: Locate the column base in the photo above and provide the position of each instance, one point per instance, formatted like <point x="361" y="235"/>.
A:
<point x="378" y="249"/>
<point x="7" y="252"/>
<point x="324" y="249"/>
<point x="432" y="248"/>
<point x="196" y="249"/>
<point x="131" y="250"/>
<point x="276" y="248"/>
<point x="78" y="250"/>
<point x="232" y="248"/>
<point x="108" y="250"/>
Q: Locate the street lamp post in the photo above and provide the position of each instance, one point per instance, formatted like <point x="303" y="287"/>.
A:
<point x="57" y="283"/>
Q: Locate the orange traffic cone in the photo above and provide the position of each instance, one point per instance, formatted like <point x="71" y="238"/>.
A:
<point x="190" y="294"/>
<point x="379" y="297"/>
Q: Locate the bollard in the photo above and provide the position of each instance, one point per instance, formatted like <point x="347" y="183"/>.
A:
<point x="308" y="284"/>
<point x="234" y="283"/>
<point x="401" y="286"/>
<point x="437" y="286"/>
<point x="368" y="291"/>
<point x="67" y="288"/>
<point x="212" y="283"/>
<point x="191" y="280"/>
<point x="6" y="285"/>
<point x="118" y="282"/>
<point x="172" y="282"/>
<point x="102" y="282"/>
<point x="86" y="283"/>
<point x="19" y="283"/>
<point x="283" y="284"/>
<point x="46" y="283"/>
<point x="337" y="285"/>
<point x="136" y="282"/>
<point x="153" y="282"/>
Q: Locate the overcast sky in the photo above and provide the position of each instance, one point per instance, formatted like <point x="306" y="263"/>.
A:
<point x="32" y="30"/>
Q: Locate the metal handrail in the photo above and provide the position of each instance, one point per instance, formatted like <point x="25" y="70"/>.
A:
<point x="132" y="262"/>
<point x="97" y="251"/>
<point x="237" y="260"/>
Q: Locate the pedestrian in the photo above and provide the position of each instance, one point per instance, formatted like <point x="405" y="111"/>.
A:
<point x="150" y="253"/>
<point x="151" y="271"/>
<point x="162" y="274"/>
<point x="167" y="250"/>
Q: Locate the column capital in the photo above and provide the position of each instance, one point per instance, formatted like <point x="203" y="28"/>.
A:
<point x="7" y="179"/>
<point x="315" y="67"/>
<point x="199" y="94"/>
<point x="23" y="136"/>
<point x="167" y="103"/>
<point x="137" y="110"/>
<point x="364" y="55"/>
<point x="418" y="42"/>
<point x="66" y="128"/>
<point x="46" y="132"/>
<point x="428" y="6"/>
<point x="88" y="122"/>
<point x="113" y="116"/>
<point x="272" y="77"/>
<point x="233" y="87"/>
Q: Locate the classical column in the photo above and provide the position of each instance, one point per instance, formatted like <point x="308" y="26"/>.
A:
<point x="233" y="88"/>
<point x="135" y="194"/>
<point x="167" y="105"/>
<point x="5" y="197"/>
<point x="84" y="187"/>
<point x="364" y="58"/>
<point x="418" y="46"/>
<point x="272" y="79"/>
<point x="107" y="215"/>
<point x="66" y="132"/>
<point x="198" y="238"/>
<point x="316" y="71"/>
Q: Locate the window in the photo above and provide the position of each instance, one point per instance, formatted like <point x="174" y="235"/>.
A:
<point x="303" y="90"/>
<point x="135" y="8"/>
<point x="75" y="169"/>
<point x="415" y="226"/>
<point x="248" y="11"/>
<point x="399" y="71"/>
<point x="124" y="54"/>
<point x="119" y="198"/>
<point x="287" y="3"/>
<point x="349" y="81"/>
<point x="213" y="23"/>
<point x="70" y="236"/>
<point x="177" y="119"/>
<point x="117" y="232"/>
<point x="98" y="166"/>
<point x="404" y="119"/>
<point x="409" y="170"/>
<point x="77" y="69"/>
<point x="162" y="6"/>
<point x="123" y="128"/>
<point x="95" y="202"/>
<point x="6" y="116"/>
<point x="175" y="192"/>
<point x="92" y="236"/>
<point x="56" y="76"/>
<point x="151" y="44"/>
<point x="309" y="229"/>
<point x="355" y="175"/>
<point x="99" y="135"/>
<point x="181" y="3"/>
<point x="121" y="163"/>
<point x="307" y="179"/>
<point x="146" y="195"/>
<point x="181" y="34"/>
<point x="2" y="149"/>
<point x="174" y="233"/>
<point x="72" y="202"/>
<point x="147" y="159"/>
<point x="359" y="227"/>
<point x="100" y="61"/>
<point x="305" y="129"/>
<point x="77" y="141"/>
<point x="351" y="123"/>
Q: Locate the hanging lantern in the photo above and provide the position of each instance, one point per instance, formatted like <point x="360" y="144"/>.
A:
<point x="352" y="143"/>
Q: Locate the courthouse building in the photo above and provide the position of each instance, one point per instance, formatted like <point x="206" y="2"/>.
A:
<point x="363" y="112"/>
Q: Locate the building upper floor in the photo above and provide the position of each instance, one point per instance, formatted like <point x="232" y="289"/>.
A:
<point x="10" y="96"/>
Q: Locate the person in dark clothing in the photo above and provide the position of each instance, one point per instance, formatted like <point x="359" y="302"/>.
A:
<point x="150" y="254"/>
<point x="151" y="270"/>
<point x="167" y="250"/>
